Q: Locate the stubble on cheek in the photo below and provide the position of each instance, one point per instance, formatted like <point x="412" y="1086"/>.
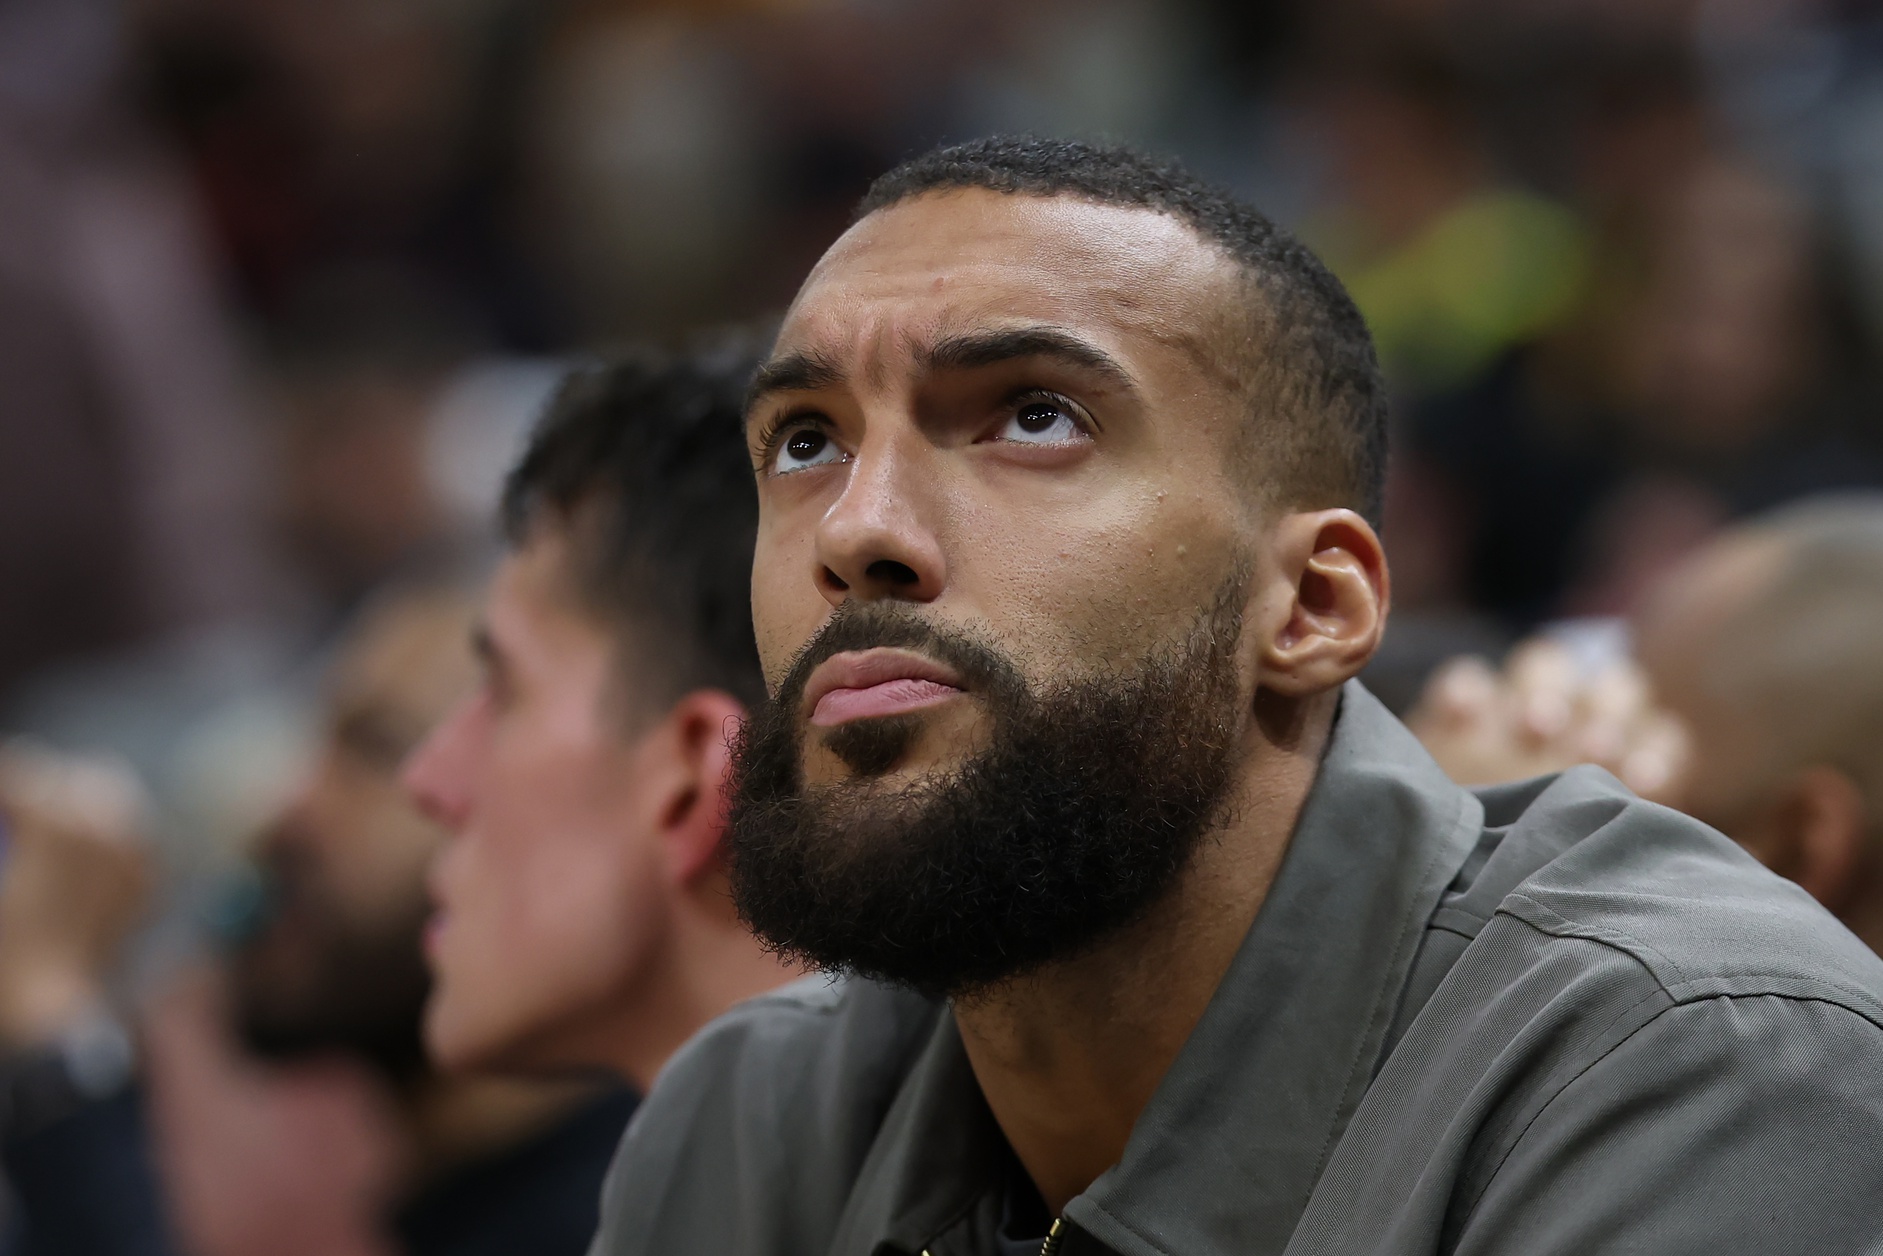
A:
<point x="1123" y="575"/>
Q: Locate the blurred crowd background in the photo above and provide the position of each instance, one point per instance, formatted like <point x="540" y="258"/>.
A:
<point x="282" y="284"/>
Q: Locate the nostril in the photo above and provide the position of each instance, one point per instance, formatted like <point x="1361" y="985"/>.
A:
<point x="889" y="571"/>
<point x="834" y="581"/>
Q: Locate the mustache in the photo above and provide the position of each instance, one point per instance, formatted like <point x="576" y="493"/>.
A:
<point x="983" y="668"/>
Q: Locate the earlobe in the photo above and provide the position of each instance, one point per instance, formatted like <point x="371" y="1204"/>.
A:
<point x="1823" y="822"/>
<point x="1337" y="592"/>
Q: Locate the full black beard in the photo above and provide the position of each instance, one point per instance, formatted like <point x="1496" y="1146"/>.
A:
<point x="1087" y="803"/>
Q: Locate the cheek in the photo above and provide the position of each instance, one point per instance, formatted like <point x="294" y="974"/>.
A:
<point x="377" y="847"/>
<point x="787" y="603"/>
<point x="555" y="893"/>
<point x="547" y="930"/>
<point x="404" y="843"/>
<point x="561" y="869"/>
<point x="1097" y="577"/>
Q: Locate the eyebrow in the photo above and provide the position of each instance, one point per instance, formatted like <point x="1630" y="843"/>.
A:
<point x="807" y="370"/>
<point x="804" y="370"/>
<point x="974" y="350"/>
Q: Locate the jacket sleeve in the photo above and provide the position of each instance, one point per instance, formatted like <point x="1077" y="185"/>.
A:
<point x="1726" y="1125"/>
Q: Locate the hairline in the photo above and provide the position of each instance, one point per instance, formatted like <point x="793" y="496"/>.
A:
<point x="1240" y="370"/>
<point x="626" y="699"/>
<point x="1237" y="370"/>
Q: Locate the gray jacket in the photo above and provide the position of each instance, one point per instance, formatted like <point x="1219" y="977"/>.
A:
<point x="1545" y="1018"/>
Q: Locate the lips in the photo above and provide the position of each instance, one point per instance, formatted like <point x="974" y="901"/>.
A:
<point x="869" y="684"/>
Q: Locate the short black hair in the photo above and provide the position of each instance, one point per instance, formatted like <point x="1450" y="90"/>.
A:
<point x="1322" y="405"/>
<point x="642" y="463"/>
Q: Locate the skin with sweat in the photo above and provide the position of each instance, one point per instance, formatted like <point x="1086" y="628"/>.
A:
<point x="1011" y="413"/>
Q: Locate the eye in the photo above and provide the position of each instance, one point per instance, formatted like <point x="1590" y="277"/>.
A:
<point x="1044" y="419"/>
<point x="804" y="446"/>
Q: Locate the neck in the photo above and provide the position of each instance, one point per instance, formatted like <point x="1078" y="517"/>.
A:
<point x="709" y="963"/>
<point x="1069" y="1056"/>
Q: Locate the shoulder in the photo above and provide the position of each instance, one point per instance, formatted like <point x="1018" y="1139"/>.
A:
<point x="1625" y="1024"/>
<point x="1750" y="1123"/>
<point x="816" y="1056"/>
<point x="1578" y="859"/>
<point x="774" y="1104"/>
<point x="1637" y="972"/>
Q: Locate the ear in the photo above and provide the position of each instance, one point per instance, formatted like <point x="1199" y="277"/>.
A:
<point x="1817" y="826"/>
<point x="1331" y="591"/>
<point x="699" y="732"/>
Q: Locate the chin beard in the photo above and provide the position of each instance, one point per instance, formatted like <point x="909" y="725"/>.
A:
<point x="340" y="990"/>
<point x="1087" y="802"/>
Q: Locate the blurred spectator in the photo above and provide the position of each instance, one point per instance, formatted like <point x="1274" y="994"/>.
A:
<point x="294" y="1112"/>
<point x="362" y="357"/>
<point x="127" y="474"/>
<point x="684" y="163"/>
<point x="372" y="133"/>
<point x="1712" y="374"/>
<point x="1764" y="646"/>
<point x="1756" y="703"/>
<point x="1451" y="265"/>
<point x="584" y="916"/>
<point x="76" y="869"/>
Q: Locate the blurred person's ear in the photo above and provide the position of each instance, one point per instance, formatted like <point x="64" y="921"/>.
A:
<point x="697" y="743"/>
<point x="1814" y="833"/>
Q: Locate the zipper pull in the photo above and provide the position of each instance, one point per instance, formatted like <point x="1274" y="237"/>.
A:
<point x="1053" y="1237"/>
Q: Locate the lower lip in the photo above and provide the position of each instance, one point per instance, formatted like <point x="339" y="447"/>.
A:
<point x="892" y="697"/>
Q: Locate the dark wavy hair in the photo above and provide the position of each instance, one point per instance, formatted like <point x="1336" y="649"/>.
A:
<point x="642" y="462"/>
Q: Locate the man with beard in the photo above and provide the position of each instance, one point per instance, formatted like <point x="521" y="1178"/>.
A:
<point x="336" y="969"/>
<point x="1166" y="937"/>
<point x="583" y="918"/>
<point x="328" y="1134"/>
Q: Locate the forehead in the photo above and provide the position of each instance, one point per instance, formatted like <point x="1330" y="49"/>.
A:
<point x="537" y="619"/>
<point x="407" y="659"/>
<point x="536" y="591"/>
<point x="943" y="263"/>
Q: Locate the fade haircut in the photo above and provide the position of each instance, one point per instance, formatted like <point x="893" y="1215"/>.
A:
<point x="1303" y="357"/>
<point x="641" y="464"/>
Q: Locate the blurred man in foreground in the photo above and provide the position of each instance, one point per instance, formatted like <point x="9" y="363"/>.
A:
<point x="337" y="968"/>
<point x="327" y="1135"/>
<point x="1754" y="702"/>
<point x="1180" y="943"/>
<point x="583" y="918"/>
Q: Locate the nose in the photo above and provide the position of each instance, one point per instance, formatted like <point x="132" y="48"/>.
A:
<point x="437" y="775"/>
<point x="877" y="540"/>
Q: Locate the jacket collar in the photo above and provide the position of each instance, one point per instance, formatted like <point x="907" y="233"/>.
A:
<point x="1225" y="1155"/>
<point x="1229" y="1148"/>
